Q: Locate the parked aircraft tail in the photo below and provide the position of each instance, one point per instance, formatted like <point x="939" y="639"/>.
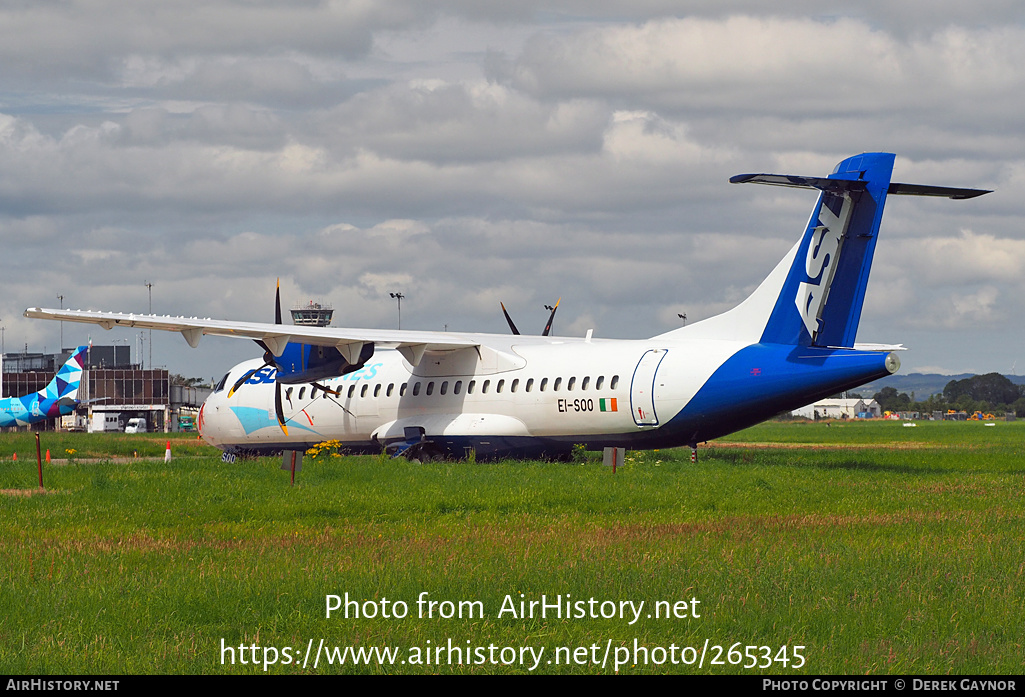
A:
<point x="814" y="296"/>
<point x="65" y="383"/>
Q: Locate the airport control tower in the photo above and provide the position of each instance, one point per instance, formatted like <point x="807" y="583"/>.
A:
<point x="312" y="314"/>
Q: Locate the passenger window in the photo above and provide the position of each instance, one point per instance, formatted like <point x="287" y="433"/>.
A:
<point x="544" y="384"/>
<point x="530" y="384"/>
<point x="583" y="383"/>
<point x="458" y="387"/>
<point x="515" y="384"/>
<point x="557" y="385"/>
<point x="615" y="382"/>
<point x="484" y="388"/>
<point x="444" y="387"/>
<point x="288" y="393"/>
<point x="352" y="391"/>
<point x="302" y="391"/>
<point x="570" y="383"/>
<point x="598" y="383"/>
<point x="430" y="388"/>
<point x="402" y="389"/>
<point x="469" y="388"/>
<point x="391" y="386"/>
<point x="416" y="389"/>
<point x="313" y="392"/>
<point x="363" y="390"/>
<point x="377" y="390"/>
<point x="501" y="384"/>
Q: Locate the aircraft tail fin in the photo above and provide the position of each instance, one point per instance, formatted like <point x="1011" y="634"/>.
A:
<point x="821" y="300"/>
<point x="68" y="378"/>
<point x="816" y="293"/>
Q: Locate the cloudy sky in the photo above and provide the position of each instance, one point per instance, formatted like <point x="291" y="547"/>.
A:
<point x="466" y="153"/>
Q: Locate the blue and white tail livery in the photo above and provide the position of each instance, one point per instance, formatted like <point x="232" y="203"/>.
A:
<point x="58" y="398"/>
<point x="440" y="393"/>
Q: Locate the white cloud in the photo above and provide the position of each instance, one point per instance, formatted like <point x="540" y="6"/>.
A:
<point x="479" y="152"/>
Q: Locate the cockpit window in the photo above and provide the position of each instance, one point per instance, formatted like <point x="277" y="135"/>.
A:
<point x="220" y="385"/>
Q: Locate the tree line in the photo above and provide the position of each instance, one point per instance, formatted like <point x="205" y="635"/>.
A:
<point x="991" y="393"/>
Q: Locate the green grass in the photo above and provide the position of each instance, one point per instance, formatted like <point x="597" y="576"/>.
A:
<point x="103" y="446"/>
<point x="880" y="549"/>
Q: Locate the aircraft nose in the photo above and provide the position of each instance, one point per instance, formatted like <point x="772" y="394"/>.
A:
<point x="206" y="425"/>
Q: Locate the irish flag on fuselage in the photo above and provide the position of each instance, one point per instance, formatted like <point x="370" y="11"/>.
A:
<point x="607" y="404"/>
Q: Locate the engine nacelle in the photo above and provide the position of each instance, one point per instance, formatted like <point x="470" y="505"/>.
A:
<point x="303" y="363"/>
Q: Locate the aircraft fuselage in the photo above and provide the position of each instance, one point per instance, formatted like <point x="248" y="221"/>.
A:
<point x="540" y="396"/>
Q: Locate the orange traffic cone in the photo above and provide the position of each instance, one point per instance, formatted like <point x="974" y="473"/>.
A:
<point x="47" y="456"/>
<point x="15" y="457"/>
<point x="167" y="453"/>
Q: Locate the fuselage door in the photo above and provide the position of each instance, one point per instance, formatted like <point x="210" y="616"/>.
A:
<point x="642" y="388"/>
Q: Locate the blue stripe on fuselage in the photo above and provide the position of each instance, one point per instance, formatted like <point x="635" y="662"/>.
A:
<point x="254" y="419"/>
<point x="763" y="380"/>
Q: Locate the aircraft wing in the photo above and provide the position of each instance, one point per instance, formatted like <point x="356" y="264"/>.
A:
<point x="412" y="344"/>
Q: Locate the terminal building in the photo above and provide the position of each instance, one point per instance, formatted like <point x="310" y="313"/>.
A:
<point x="114" y="390"/>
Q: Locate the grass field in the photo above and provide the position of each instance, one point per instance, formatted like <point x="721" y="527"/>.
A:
<point x="877" y="548"/>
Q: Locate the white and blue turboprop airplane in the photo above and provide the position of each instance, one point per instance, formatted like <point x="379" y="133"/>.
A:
<point x="791" y="342"/>
<point x="58" y="398"/>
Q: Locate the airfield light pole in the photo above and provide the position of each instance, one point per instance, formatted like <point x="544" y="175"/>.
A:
<point x="61" y="298"/>
<point x="149" y="287"/>
<point x="127" y="346"/>
<point x="399" y="297"/>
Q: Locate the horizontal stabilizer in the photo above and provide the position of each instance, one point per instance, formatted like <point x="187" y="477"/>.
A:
<point x="941" y="191"/>
<point x="797" y="182"/>
<point x="840" y="185"/>
<point x="858" y="346"/>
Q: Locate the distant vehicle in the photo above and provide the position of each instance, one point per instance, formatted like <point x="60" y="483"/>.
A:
<point x="58" y="398"/>
<point x="105" y="422"/>
<point x="74" y="422"/>
<point x="137" y="425"/>
<point x="187" y="424"/>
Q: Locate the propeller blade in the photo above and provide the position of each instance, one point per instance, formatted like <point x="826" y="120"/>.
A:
<point x="278" y="410"/>
<point x="509" y="319"/>
<point x="329" y="390"/>
<point x="241" y="381"/>
<point x="268" y="361"/>
<point x="277" y="304"/>
<point x="548" y="327"/>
